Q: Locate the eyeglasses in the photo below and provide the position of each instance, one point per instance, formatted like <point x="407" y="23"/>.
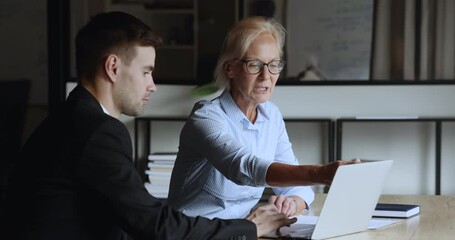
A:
<point x="256" y="66"/>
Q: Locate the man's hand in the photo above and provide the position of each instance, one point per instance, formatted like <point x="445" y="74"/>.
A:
<point x="268" y="219"/>
<point x="285" y="205"/>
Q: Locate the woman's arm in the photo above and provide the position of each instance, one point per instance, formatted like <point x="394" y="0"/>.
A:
<point x="283" y="175"/>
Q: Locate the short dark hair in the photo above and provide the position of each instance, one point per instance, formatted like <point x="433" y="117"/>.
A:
<point x="111" y="32"/>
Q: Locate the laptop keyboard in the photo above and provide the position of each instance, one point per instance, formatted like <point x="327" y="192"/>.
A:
<point x="300" y="231"/>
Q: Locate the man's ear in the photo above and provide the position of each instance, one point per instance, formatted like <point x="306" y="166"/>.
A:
<point x="111" y="66"/>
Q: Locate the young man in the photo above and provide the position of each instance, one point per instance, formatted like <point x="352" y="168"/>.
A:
<point x="75" y="178"/>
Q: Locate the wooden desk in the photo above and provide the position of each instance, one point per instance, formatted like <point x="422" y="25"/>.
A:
<point x="436" y="219"/>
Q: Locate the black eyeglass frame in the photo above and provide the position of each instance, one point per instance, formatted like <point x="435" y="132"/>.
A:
<point x="262" y="64"/>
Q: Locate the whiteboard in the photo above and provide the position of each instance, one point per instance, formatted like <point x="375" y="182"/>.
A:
<point x="333" y="35"/>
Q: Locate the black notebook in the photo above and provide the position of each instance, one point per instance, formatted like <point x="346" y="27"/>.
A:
<point x="394" y="210"/>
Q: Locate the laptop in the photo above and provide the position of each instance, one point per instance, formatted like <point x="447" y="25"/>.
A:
<point x="349" y="204"/>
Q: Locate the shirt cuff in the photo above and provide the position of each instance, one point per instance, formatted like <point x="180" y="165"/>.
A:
<point x="261" y="171"/>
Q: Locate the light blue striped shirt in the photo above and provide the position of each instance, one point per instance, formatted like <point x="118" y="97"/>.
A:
<point x="223" y="159"/>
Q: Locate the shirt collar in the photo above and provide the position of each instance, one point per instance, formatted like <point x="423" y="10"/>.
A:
<point x="232" y="110"/>
<point x="105" y="109"/>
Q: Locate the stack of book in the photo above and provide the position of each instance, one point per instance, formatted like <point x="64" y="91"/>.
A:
<point x="159" y="170"/>
<point x="396" y="210"/>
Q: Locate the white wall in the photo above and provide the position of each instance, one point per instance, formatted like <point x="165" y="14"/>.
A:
<point x="410" y="144"/>
<point x="329" y="101"/>
<point x="379" y="100"/>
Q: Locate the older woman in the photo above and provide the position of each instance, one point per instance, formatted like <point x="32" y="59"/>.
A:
<point x="236" y="144"/>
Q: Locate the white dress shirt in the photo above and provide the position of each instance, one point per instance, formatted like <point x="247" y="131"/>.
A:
<point x="223" y="159"/>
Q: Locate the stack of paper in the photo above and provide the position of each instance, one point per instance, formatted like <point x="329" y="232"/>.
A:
<point x="159" y="170"/>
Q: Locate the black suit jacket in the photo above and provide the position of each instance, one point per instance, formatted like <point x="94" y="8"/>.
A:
<point x="75" y="180"/>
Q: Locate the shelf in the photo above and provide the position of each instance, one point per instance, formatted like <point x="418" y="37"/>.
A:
<point x="184" y="25"/>
<point x="176" y="23"/>
<point x="172" y="6"/>
<point x="170" y="11"/>
<point x="333" y="132"/>
<point x="180" y="7"/>
<point x="438" y="137"/>
<point x="176" y="47"/>
<point x="143" y="136"/>
<point x="142" y="140"/>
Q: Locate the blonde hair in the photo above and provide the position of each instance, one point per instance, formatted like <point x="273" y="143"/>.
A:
<point x="240" y="38"/>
